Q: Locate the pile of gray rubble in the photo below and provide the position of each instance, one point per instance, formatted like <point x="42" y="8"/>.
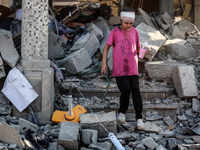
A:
<point x="170" y="67"/>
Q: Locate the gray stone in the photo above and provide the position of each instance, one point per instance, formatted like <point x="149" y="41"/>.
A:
<point x="69" y="135"/>
<point x="101" y="146"/>
<point x="89" y="136"/>
<point x="25" y="125"/>
<point x="182" y="118"/>
<point x="5" y="109"/>
<point x="185" y="81"/>
<point x="155" y="136"/>
<point x="77" y="61"/>
<point x="54" y="49"/>
<point x="10" y="135"/>
<point x="168" y="120"/>
<point x="167" y="133"/>
<point x="160" y="147"/>
<point x="141" y="146"/>
<point x="188" y="141"/>
<point x="92" y="28"/>
<point x="149" y="142"/>
<point x="3" y="148"/>
<point x="8" y="52"/>
<point x="196" y="138"/>
<point x="172" y="142"/>
<point x="2" y="71"/>
<point x="150" y="127"/>
<point x="176" y="32"/>
<point x="91" y="121"/>
<point x="154" y="38"/>
<point x="12" y="146"/>
<point x="3" y="99"/>
<point x="195" y="105"/>
<point x="161" y="70"/>
<point x="181" y="52"/>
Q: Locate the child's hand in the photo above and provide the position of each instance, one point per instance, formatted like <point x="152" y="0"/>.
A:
<point x="104" y="69"/>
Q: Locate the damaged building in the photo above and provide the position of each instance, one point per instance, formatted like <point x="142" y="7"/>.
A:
<point x="53" y="96"/>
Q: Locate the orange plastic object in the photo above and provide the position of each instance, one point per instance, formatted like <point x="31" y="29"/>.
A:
<point x="61" y="116"/>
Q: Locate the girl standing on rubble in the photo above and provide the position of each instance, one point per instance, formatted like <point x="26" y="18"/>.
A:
<point x="125" y="42"/>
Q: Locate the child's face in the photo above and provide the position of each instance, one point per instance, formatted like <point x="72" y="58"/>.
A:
<point x="127" y="25"/>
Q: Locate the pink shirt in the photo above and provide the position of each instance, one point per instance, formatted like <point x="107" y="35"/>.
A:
<point x="125" y="59"/>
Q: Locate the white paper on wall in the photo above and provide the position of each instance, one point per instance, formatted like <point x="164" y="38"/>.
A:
<point x="18" y="89"/>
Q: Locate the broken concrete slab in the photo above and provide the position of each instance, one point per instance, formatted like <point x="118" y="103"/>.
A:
<point x="92" y="28"/>
<point x="102" y="146"/>
<point x="150" y="127"/>
<point x="91" y="43"/>
<point x="54" y="49"/>
<point x="25" y="125"/>
<point x="185" y="81"/>
<point x="69" y="135"/>
<point x="8" y="52"/>
<point x="181" y="52"/>
<point x="149" y="142"/>
<point x="154" y="38"/>
<point x="195" y="105"/>
<point x="107" y="119"/>
<point x="161" y="70"/>
<point x="77" y="61"/>
<point x="10" y="135"/>
<point x="2" y="71"/>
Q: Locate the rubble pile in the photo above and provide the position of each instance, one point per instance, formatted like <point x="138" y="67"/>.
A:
<point x="172" y="65"/>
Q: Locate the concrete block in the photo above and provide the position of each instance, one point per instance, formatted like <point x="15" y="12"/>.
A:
<point x="77" y="61"/>
<point x="154" y="38"/>
<point x="108" y="120"/>
<point x="42" y="81"/>
<point x="149" y="142"/>
<point x="54" y="49"/>
<point x="185" y="81"/>
<point x="195" y="105"/>
<point x="69" y="135"/>
<point x="161" y="70"/>
<point x="10" y="135"/>
<point x="25" y="125"/>
<point x="92" y="28"/>
<point x="181" y="52"/>
<point x="176" y="32"/>
<point x="91" y="44"/>
<point x="89" y="136"/>
<point x="2" y="71"/>
<point x="8" y="52"/>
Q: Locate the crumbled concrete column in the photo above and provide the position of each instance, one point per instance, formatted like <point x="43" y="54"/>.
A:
<point x="108" y="120"/>
<point x="8" y="51"/>
<point x="25" y="125"/>
<point x="185" y="81"/>
<point x="2" y="71"/>
<point x="92" y="28"/>
<point x="161" y="70"/>
<point x="89" y="136"/>
<point x="77" y="61"/>
<point x="89" y="42"/>
<point x="69" y="135"/>
<point x="10" y="135"/>
<point x="154" y="38"/>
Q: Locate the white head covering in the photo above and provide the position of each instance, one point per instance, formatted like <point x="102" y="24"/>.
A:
<point x="127" y="16"/>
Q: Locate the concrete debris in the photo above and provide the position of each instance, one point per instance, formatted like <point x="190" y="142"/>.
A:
<point x="169" y="83"/>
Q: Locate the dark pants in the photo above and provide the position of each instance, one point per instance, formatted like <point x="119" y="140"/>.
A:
<point x="126" y="84"/>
